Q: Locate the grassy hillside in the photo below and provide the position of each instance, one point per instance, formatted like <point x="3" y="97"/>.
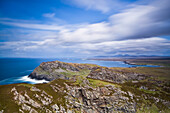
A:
<point x="80" y="93"/>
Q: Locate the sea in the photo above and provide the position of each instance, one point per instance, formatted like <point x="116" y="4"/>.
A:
<point x="16" y="70"/>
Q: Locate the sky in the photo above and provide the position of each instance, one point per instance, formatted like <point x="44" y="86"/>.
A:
<point x="84" y="28"/>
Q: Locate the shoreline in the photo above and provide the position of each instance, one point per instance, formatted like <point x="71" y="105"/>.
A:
<point x="28" y="79"/>
<point x="160" y="62"/>
<point x="22" y="79"/>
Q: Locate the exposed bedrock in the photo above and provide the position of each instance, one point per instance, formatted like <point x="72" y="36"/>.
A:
<point x="56" y="69"/>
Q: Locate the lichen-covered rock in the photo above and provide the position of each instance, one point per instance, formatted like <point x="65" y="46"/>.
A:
<point x="35" y="89"/>
<point x="99" y="100"/>
<point x="110" y="75"/>
<point x="53" y="70"/>
<point x="55" y="107"/>
<point x="1" y="111"/>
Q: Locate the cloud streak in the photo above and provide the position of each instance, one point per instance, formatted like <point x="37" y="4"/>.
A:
<point x="34" y="26"/>
<point x="104" y="6"/>
<point x="49" y="15"/>
<point x="139" y="46"/>
<point x="140" y="21"/>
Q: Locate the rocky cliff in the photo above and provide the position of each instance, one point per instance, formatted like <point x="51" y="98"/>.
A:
<point x="87" y="88"/>
<point x="56" y="69"/>
<point x="111" y="75"/>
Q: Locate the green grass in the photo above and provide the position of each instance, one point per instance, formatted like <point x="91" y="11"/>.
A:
<point x="148" y="91"/>
<point x="99" y="83"/>
<point x="162" y="72"/>
<point x="25" y="84"/>
<point x="150" y="109"/>
<point x="80" y="73"/>
<point x="58" y="97"/>
<point x="151" y="62"/>
<point x="6" y="99"/>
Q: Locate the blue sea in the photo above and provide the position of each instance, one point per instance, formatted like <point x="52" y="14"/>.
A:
<point x="16" y="70"/>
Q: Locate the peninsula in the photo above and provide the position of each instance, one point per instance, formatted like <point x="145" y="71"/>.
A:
<point x="89" y="88"/>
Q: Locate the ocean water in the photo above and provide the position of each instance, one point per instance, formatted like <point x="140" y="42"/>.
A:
<point x="16" y="70"/>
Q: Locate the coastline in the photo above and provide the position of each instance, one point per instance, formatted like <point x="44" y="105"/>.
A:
<point x="129" y="61"/>
<point x="22" y="79"/>
<point x="86" y="80"/>
<point x="141" y="61"/>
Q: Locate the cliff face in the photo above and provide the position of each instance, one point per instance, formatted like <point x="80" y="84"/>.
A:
<point x="111" y="75"/>
<point x="56" y="69"/>
<point x="86" y="88"/>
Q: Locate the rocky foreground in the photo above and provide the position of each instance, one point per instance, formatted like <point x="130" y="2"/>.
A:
<point x="87" y="88"/>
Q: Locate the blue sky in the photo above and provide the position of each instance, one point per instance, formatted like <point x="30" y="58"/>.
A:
<point x="84" y="28"/>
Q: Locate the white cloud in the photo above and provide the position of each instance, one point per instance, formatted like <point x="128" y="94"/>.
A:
<point x="139" y="21"/>
<point x="142" y="46"/>
<point x="33" y="26"/>
<point x="136" y="30"/>
<point x="133" y="47"/>
<point x="100" y="5"/>
<point x="88" y="33"/>
<point x="142" y="21"/>
<point x="49" y="15"/>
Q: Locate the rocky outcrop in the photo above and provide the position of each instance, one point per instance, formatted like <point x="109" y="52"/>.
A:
<point x="25" y="101"/>
<point x="67" y="97"/>
<point x="55" y="69"/>
<point x="59" y="70"/>
<point x="40" y="101"/>
<point x="108" y="99"/>
<point x="110" y="75"/>
<point x="1" y="111"/>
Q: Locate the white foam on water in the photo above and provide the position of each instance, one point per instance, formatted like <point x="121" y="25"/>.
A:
<point x="33" y="81"/>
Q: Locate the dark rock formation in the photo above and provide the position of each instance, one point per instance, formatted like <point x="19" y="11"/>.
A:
<point x="100" y="100"/>
<point x="110" y="75"/>
<point x="55" y="69"/>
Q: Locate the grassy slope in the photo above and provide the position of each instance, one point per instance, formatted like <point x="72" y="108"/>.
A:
<point x="151" y="62"/>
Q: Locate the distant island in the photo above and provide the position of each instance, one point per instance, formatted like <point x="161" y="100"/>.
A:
<point x="89" y="88"/>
